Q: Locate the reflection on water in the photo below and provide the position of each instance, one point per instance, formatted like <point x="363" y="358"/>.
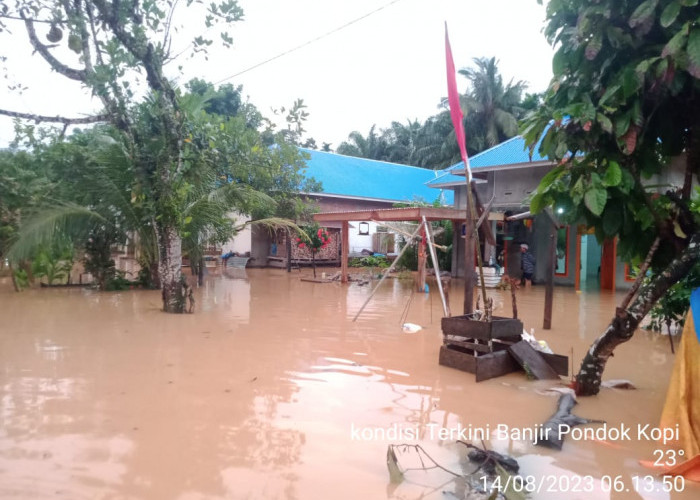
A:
<point x="264" y="392"/>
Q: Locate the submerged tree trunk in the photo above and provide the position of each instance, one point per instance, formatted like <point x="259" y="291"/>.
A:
<point x="626" y="321"/>
<point x="170" y="269"/>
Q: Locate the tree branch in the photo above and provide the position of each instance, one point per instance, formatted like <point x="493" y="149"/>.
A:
<point x="68" y="72"/>
<point x="55" y="119"/>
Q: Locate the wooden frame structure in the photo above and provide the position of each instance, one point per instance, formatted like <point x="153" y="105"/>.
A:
<point x="417" y="214"/>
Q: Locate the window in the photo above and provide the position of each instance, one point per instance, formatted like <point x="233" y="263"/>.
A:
<point x="364" y="228"/>
<point x="562" y="263"/>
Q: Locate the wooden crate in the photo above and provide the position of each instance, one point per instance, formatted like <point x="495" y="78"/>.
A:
<point x="484" y="367"/>
<point x="498" y="327"/>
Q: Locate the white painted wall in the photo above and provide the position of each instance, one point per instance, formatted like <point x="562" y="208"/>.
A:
<point x="242" y="242"/>
<point x="360" y="242"/>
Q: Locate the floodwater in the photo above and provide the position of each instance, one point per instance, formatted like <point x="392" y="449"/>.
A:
<point x="271" y="391"/>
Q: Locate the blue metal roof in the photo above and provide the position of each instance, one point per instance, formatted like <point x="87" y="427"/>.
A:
<point x="362" y="178"/>
<point x="509" y="153"/>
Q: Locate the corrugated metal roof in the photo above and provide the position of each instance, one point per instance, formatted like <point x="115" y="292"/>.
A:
<point x="508" y="154"/>
<point x="362" y="178"/>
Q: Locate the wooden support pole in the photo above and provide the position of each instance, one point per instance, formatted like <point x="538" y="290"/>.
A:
<point x="436" y="267"/>
<point x="469" y="275"/>
<point x="344" y="251"/>
<point x="422" y="259"/>
<point x="288" y="247"/>
<point x="551" y="265"/>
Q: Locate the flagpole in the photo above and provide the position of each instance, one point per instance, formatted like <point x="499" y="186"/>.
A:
<point x="471" y="231"/>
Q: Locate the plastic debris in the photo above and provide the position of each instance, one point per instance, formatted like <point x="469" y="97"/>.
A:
<point x="411" y="328"/>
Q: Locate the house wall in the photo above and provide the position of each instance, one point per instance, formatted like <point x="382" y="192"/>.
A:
<point x="261" y="239"/>
<point x="260" y="247"/>
<point x="242" y="242"/>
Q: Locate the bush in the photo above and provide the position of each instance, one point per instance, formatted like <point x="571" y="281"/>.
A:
<point x="369" y="261"/>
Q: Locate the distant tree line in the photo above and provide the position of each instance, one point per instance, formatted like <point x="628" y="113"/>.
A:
<point x="491" y="107"/>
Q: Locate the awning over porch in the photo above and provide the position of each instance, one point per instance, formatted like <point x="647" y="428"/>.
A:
<point x="393" y="214"/>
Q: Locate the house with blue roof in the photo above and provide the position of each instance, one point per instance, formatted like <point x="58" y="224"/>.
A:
<point x="508" y="174"/>
<point x="354" y="184"/>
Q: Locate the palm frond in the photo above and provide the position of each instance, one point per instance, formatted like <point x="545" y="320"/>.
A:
<point x="65" y="220"/>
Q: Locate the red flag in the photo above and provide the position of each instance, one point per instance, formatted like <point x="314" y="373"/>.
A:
<point x="455" y="108"/>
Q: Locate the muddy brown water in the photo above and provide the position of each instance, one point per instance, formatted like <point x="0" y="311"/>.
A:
<point x="271" y="391"/>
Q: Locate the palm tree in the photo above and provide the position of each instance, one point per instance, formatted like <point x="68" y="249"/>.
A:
<point x="373" y="147"/>
<point x="492" y="108"/>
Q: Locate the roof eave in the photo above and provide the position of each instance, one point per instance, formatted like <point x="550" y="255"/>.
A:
<point x="511" y="166"/>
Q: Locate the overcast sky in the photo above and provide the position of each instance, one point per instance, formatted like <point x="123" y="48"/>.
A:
<point x="389" y="66"/>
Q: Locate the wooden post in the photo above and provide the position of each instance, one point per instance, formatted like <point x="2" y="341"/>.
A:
<point x="288" y="248"/>
<point x="436" y="267"/>
<point x="469" y="274"/>
<point x="551" y="265"/>
<point x="344" y="251"/>
<point x="422" y="259"/>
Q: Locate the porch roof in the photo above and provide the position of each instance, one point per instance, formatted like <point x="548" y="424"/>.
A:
<point x="396" y="215"/>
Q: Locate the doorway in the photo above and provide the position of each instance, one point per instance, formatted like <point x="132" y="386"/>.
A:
<point x="596" y="263"/>
<point x="590" y="252"/>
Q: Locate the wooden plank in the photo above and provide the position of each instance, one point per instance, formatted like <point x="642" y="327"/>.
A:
<point x="498" y="327"/>
<point x="532" y="362"/>
<point x="495" y="364"/>
<point x="454" y="358"/>
<point x="468" y="345"/>
<point x="559" y="363"/>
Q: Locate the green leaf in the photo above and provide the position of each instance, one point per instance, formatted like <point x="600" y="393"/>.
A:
<point x="630" y="82"/>
<point x="550" y="177"/>
<point x="689" y="3"/>
<point x="75" y="44"/>
<point x="510" y="491"/>
<point x="670" y="13"/>
<point x="605" y="123"/>
<point x="595" y="200"/>
<point x="613" y="175"/>
<point x="577" y="191"/>
<point x="622" y="124"/>
<point x="539" y="202"/>
<point x="392" y="463"/>
<point x="643" y="13"/>
<point x="678" y="231"/>
<point x="694" y="53"/>
<point x="676" y="43"/>
<point x="609" y="92"/>
<point x="612" y="221"/>
<point x="559" y="62"/>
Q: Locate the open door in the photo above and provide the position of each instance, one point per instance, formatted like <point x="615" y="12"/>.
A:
<point x="607" y="265"/>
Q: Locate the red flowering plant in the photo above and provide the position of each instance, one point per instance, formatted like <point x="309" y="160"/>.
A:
<point x="314" y="238"/>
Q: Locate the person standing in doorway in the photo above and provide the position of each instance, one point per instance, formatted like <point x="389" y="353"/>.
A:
<point x="527" y="264"/>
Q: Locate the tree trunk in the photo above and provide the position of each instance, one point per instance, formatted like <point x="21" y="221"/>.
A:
<point x="200" y="271"/>
<point x="313" y="261"/>
<point x="625" y="322"/>
<point x="170" y="269"/>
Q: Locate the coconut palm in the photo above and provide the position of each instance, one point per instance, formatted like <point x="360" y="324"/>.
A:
<point x="373" y="146"/>
<point x="492" y="107"/>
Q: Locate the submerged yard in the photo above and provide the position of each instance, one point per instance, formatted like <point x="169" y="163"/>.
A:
<point x="271" y="391"/>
